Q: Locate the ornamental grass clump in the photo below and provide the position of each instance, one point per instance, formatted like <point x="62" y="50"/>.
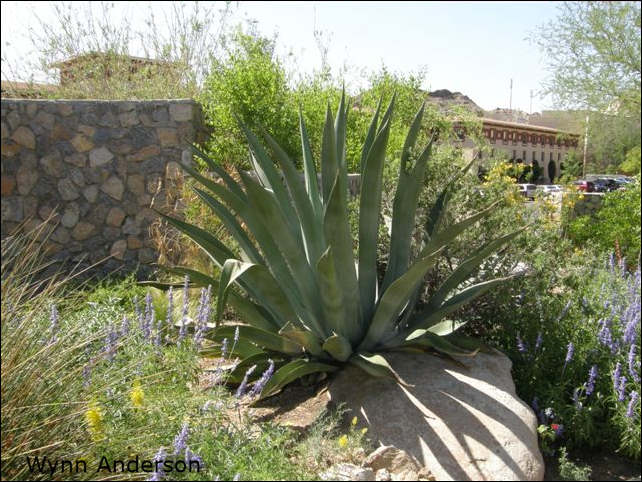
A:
<point x="307" y="305"/>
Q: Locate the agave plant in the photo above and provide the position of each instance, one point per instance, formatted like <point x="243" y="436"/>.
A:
<point x="305" y="302"/>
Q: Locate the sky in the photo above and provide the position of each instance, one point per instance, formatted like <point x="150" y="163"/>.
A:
<point x="475" y="48"/>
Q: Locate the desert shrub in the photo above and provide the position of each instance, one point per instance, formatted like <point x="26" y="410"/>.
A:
<point x="249" y="83"/>
<point x="615" y="226"/>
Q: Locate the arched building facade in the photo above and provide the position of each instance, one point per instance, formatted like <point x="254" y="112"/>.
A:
<point x="542" y="149"/>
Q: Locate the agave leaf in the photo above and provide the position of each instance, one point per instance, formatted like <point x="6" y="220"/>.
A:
<point x="387" y="116"/>
<point x="291" y="248"/>
<point x="303" y="337"/>
<point x="311" y="230"/>
<point x="290" y="372"/>
<point x="405" y="203"/>
<point x="469" y="343"/>
<point x="262" y="338"/>
<point x="231" y="183"/>
<point x="216" y="250"/>
<point x="310" y="172"/>
<point x="340" y="133"/>
<point x="445" y="327"/>
<point x="463" y="271"/>
<point x="338" y="347"/>
<point x="248" y="250"/>
<point x="393" y="301"/>
<point x="369" y="210"/>
<point x="332" y="299"/>
<point x="337" y="234"/>
<point x="275" y="182"/>
<point x="377" y="366"/>
<point x="439" y="343"/>
<point x="329" y="162"/>
<point x="232" y="269"/>
<point x="444" y="236"/>
<point x="230" y="199"/>
<point x="429" y="316"/>
<point x="370" y="136"/>
<point x="241" y="349"/>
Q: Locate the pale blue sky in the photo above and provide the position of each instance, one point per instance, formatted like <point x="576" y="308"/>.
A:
<point x="471" y="47"/>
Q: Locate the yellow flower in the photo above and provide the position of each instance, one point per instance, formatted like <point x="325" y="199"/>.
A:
<point x="137" y="395"/>
<point x="364" y="430"/>
<point x="343" y="441"/>
<point x="94" y="417"/>
<point x="354" y="422"/>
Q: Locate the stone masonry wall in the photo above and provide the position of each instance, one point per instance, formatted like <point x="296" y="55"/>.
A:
<point x="102" y="165"/>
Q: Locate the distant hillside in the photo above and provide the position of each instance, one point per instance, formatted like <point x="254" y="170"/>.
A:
<point x="444" y="100"/>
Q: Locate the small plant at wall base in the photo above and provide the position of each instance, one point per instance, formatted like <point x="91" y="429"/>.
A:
<point x="307" y="304"/>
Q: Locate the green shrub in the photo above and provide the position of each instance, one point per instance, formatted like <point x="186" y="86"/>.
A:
<point x="615" y="226"/>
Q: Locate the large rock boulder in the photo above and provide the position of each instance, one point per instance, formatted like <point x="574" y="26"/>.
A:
<point x="461" y="423"/>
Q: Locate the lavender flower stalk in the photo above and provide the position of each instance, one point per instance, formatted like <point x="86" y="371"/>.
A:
<point x="243" y="386"/>
<point x="570" y="349"/>
<point x="170" y="307"/>
<point x="159" y="458"/>
<point x="180" y="441"/>
<point x="617" y="373"/>
<point x="124" y="326"/>
<point x="259" y="385"/>
<point x="621" y="389"/>
<point x="635" y="396"/>
<point x="633" y="367"/>
<point x="147" y="318"/>
<point x="183" y="328"/>
<point x="590" y="385"/>
<point x="521" y="346"/>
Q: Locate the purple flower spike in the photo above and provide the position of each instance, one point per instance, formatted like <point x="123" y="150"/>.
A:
<point x="590" y="385"/>
<point x="147" y="320"/>
<point x="617" y="373"/>
<point x="261" y="382"/>
<point x="635" y="396"/>
<point x="124" y="326"/>
<point x="621" y="389"/>
<point x="521" y="346"/>
<point x="183" y="328"/>
<point x="570" y="349"/>
<point x="170" y="307"/>
<point x="180" y="441"/>
<point x="633" y="367"/>
<point x="243" y="386"/>
<point x="159" y="458"/>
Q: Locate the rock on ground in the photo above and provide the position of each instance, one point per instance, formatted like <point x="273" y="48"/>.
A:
<point x="461" y="423"/>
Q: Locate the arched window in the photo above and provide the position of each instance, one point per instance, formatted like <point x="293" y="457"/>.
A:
<point x="552" y="173"/>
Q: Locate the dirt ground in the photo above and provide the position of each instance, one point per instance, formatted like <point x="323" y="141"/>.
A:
<point x="604" y="467"/>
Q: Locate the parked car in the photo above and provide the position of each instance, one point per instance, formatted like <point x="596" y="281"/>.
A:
<point x="605" y="185"/>
<point x="549" y="188"/>
<point x="583" y="185"/>
<point x="527" y="190"/>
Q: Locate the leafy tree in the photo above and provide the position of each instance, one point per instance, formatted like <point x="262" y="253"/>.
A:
<point x="593" y="55"/>
<point x="631" y="164"/>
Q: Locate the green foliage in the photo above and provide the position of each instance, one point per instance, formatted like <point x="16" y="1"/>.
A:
<point x="616" y="224"/>
<point x="571" y="471"/>
<point x="593" y="53"/>
<point x="249" y="83"/>
<point x="631" y="164"/>
<point x="310" y="305"/>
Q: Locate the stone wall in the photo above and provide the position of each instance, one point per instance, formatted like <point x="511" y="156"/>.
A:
<point x="101" y="165"/>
